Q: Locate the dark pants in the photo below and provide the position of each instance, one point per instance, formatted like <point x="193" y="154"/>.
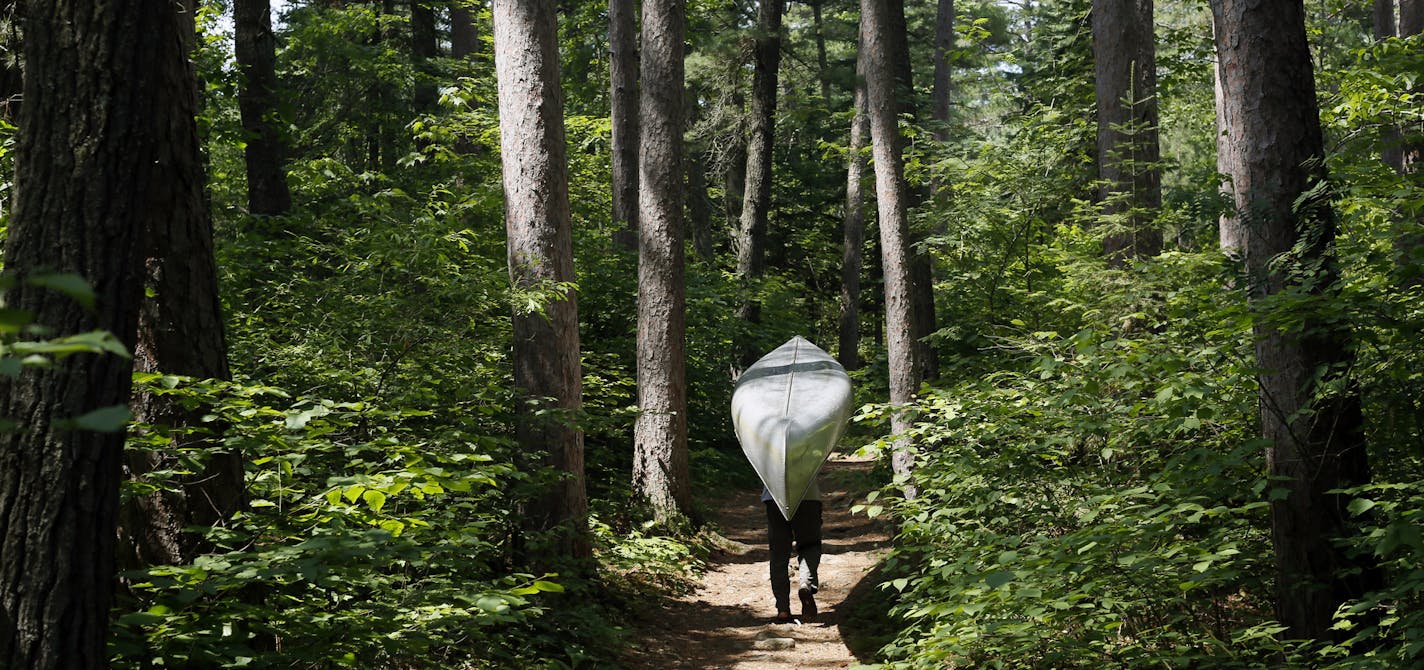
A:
<point x="804" y="529"/>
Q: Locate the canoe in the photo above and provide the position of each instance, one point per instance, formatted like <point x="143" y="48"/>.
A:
<point x="789" y="409"/>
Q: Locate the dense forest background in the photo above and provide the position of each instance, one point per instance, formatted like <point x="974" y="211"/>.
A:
<point x="1081" y="478"/>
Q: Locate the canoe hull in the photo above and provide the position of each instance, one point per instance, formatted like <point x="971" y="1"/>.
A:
<point x="790" y="409"/>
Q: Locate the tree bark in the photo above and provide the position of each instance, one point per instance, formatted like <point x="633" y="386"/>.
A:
<point x="1125" y="70"/>
<point x="892" y="195"/>
<point x="623" y="108"/>
<point x="853" y="224"/>
<point x="1411" y="22"/>
<point x="761" y="141"/>
<point x="1383" y="23"/>
<point x="89" y="170"/>
<point x="255" y="47"/>
<point x="1309" y="412"/>
<point x="547" y="373"/>
<point x="944" y="44"/>
<point x="1231" y="236"/>
<point x="463" y="38"/>
<point x="660" y="459"/>
<point x="180" y="332"/>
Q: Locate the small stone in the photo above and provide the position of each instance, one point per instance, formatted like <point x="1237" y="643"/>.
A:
<point x="775" y="644"/>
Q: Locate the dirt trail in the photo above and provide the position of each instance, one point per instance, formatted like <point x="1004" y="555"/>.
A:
<point x="727" y="623"/>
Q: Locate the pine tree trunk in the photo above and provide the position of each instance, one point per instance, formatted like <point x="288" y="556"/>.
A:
<point x="547" y="372"/>
<point x="623" y="106"/>
<point x="1309" y="413"/>
<point x="761" y="141"/>
<point x="1125" y="70"/>
<point x="660" y="459"/>
<point x="180" y="332"/>
<point x="93" y="79"/>
<point x="891" y="194"/>
<point x="853" y="226"/>
<point x="463" y="38"/>
<point x="255" y="47"/>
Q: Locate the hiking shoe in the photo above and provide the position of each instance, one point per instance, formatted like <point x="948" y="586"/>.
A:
<point x="783" y="616"/>
<point x="808" y="602"/>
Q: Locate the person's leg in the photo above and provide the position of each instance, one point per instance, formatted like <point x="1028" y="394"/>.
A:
<point x="779" y="540"/>
<point x="806" y="525"/>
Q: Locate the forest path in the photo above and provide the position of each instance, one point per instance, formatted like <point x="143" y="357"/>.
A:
<point x="727" y="623"/>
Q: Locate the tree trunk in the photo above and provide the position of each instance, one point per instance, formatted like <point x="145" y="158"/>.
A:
<point x="944" y="44"/>
<point x="891" y="194"/>
<point x="180" y="332"/>
<point x="424" y="48"/>
<point x="1230" y="233"/>
<point x="1310" y="414"/>
<point x="256" y="49"/>
<point x="623" y="107"/>
<point x="1125" y="70"/>
<point x="1392" y="152"/>
<point x="660" y="460"/>
<point x="89" y="172"/>
<point x="761" y="141"/>
<point x="1383" y="19"/>
<point x="821" y="63"/>
<point x="853" y="226"/>
<point x="463" y="38"/>
<point x="547" y="373"/>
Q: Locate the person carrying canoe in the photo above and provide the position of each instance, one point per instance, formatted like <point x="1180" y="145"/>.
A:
<point x="803" y="531"/>
<point x="790" y="409"/>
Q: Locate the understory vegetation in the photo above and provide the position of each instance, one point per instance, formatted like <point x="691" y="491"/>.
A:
<point x="1090" y="487"/>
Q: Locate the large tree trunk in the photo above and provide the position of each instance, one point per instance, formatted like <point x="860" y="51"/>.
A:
<point x="660" y="460"/>
<point x="891" y="194"/>
<point x="761" y="141"/>
<point x="256" y="49"/>
<point x="853" y="224"/>
<point x="623" y="108"/>
<point x="1125" y="69"/>
<point x="1310" y="414"/>
<point x="547" y="373"/>
<point x="1230" y="233"/>
<point x="180" y="331"/>
<point x="463" y="37"/>
<point x="89" y="173"/>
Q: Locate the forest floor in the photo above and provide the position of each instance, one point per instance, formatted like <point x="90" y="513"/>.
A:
<point x="726" y="624"/>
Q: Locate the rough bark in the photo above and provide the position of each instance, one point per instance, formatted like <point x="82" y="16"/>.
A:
<point x="623" y="108"/>
<point x="255" y="47"/>
<point x="1125" y="71"/>
<point x="853" y="224"/>
<point x="89" y="167"/>
<point x="1310" y="414"/>
<point x="761" y="141"/>
<point x="891" y="194"/>
<point x="463" y="38"/>
<point x="1231" y="236"/>
<point x="547" y="373"/>
<point x="180" y="332"/>
<point x="660" y="460"/>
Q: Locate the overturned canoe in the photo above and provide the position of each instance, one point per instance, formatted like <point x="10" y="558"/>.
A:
<point x="789" y="409"/>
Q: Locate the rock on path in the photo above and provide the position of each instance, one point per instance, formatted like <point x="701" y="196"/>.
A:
<point x="727" y="623"/>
